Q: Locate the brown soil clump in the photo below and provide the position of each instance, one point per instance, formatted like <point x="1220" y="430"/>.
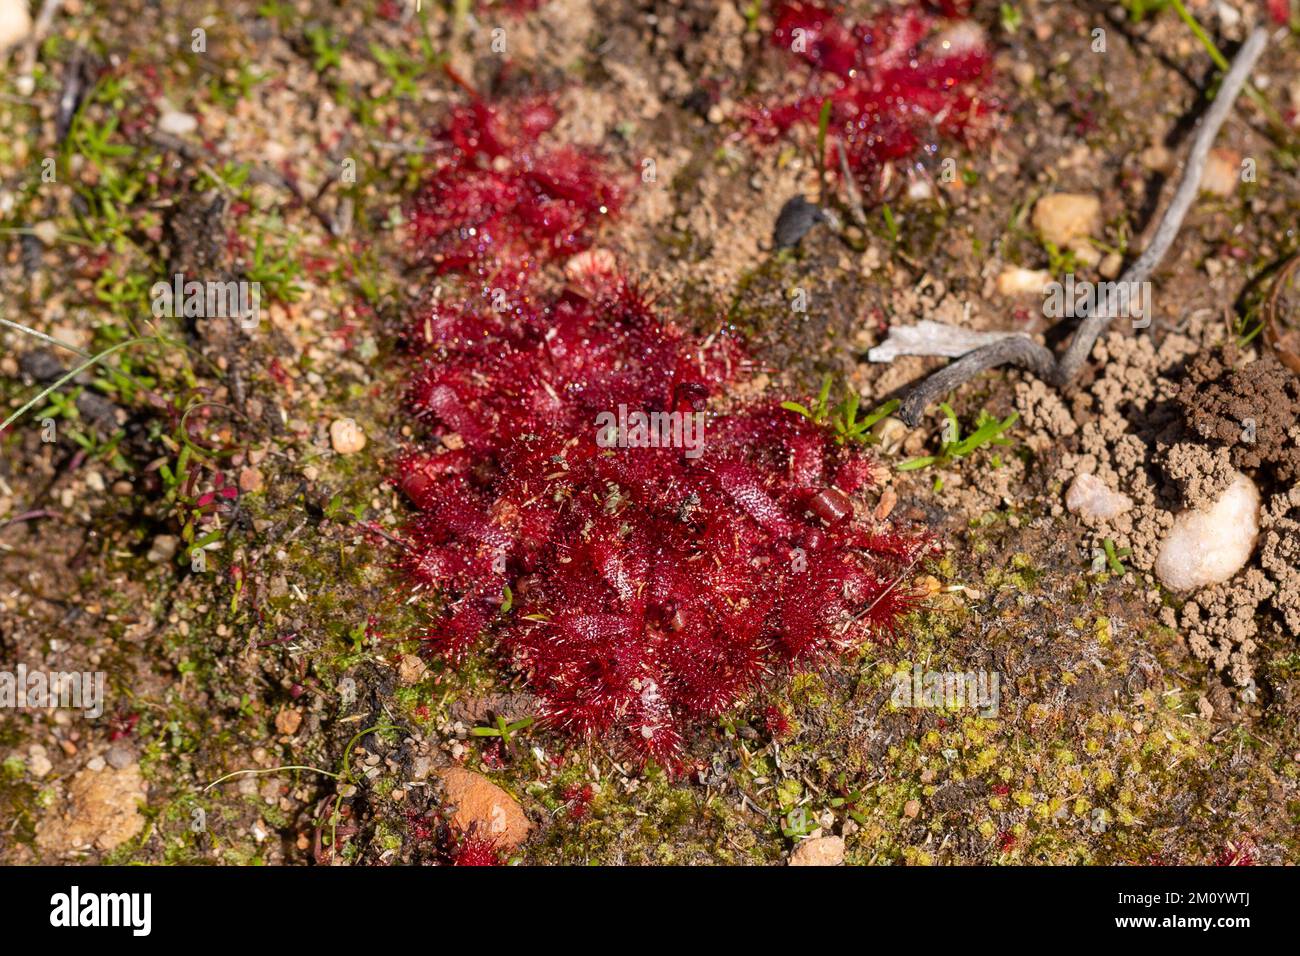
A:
<point x="1169" y="425"/>
<point x="1249" y="409"/>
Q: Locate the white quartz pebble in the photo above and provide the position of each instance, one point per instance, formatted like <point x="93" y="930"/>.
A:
<point x="1211" y="544"/>
<point x="1088" y="496"/>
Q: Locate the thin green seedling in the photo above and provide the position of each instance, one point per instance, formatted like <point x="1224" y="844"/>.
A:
<point x="48" y="339"/>
<point x="891" y="224"/>
<point x="823" y="126"/>
<point x="1138" y="9"/>
<point x="61" y="237"/>
<point x="1010" y="18"/>
<point x="843" y="418"/>
<point x="64" y="379"/>
<point x="848" y="427"/>
<point x="503" y="729"/>
<point x="1222" y="63"/>
<point x="1114" y="556"/>
<point x="820" y="411"/>
<point x="326" y="48"/>
<point x="344" y="775"/>
<point x="988" y="431"/>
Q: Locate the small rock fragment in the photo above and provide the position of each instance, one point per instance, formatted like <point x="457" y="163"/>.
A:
<point x="177" y="123"/>
<point x="590" y="270"/>
<point x="1064" y="218"/>
<point x="819" y="851"/>
<point x="15" y="23"/>
<point x="38" y="764"/>
<point x="1210" y="545"/>
<point x="960" y="38"/>
<point x="411" y="670"/>
<point x="482" y="805"/>
<point x="288" y="721"/>
<point x="163" y="548"/>
<point x="1158" y="159"/>
<point x="796" y="218"/>
<point x="47" y="231"/>
<point x="120" y="755"/>
<point x="890" y="432"/>
<point x="1089" y="497"/>
<point x="250" y="479"/>
<point x="919" y="190"/>
<point x="1222" y="172"/>
<point x="347" y="437"/>
<point x="1014" y="281"/>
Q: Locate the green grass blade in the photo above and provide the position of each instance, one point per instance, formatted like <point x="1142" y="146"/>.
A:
<point x="64" y="379"/>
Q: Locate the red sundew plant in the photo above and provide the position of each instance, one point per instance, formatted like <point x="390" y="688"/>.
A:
<point x="578" y="798"/>
<point x="894" y="86"/>
<point x="1237" y="853"/>
<point x="776" y="722"/>
<point x="474" y="850"/>
<point x="642" y="574"/>
<point x="499" y="203"/>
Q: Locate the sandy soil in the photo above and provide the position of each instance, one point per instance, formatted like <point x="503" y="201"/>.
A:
<point x="270" y="703"/>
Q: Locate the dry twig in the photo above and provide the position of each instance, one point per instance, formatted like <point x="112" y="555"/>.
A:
<point x="1029" y="355"/>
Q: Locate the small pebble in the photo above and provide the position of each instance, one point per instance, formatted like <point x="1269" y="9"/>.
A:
<point x="1024" y="74"/>
<point x="411" y="669"/>
<point x="250" y="480"/>
<point x="120" y="755"/>
<point x="1210" y="545"/>
<point x="819" y="851"/>
<point x="288" y="721"/>
<point x="177" y="123"/>
<point x="890" y="432"/>
<point x="15" y="22"/>
<point x="38" y="764"/>
<point x="794" y="221"/>
<point x="589" y="269"/>
<point x="47" y="231"/>
<point x="1089" y="497"/>
<point x="347" y="437"/>
<point x="163" y="548"/>
<point x="1064" y="218"/>
<point x="1222" y="172"/>
<point x="1014" y="281"/>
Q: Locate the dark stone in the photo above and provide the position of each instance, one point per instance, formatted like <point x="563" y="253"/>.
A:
<point x="797" y="217"/>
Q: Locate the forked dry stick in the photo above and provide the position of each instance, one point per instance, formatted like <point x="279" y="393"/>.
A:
<point x="1024" y="352"/>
